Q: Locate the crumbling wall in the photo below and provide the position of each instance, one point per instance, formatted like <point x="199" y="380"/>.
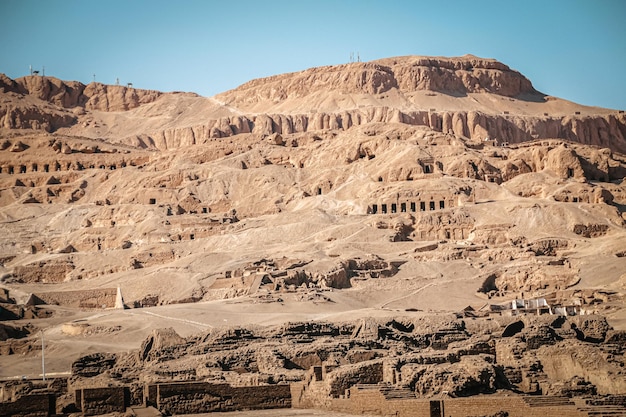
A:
<point x="52" y="271"/>
<point x="204" y="397"/>
<point x="33" y="405"/>
<point x="369" y="400"/>
<point x="97" y="401"/>
<point x="145" y="260"/>
<point x="97" y="298"/>
<point x="369" y="372"/>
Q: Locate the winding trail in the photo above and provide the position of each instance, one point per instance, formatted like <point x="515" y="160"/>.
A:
<point x="408" y="295"/>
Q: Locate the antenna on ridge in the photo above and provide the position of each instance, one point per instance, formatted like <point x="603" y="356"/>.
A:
<point x="94" y="78"/>
<point x="358" y="57"/>
<point x="351" y="57"/>
<point x="117" y="81"/>
<point x="36" y="72"/>
<point x="43" y="71"/>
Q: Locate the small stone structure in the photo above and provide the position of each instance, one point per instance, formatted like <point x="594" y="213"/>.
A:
<point x="538" y="306"/>
<point x="97" y="401"/>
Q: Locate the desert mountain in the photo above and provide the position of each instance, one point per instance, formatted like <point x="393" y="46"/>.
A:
<point x="416" y="185"/>
<point x="468" y="96"/>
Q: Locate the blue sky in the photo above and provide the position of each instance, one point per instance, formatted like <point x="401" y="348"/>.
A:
<point x="572" y="49"/>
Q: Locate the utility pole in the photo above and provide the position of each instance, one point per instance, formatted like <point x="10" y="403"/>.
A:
<point x="43" y="356"/>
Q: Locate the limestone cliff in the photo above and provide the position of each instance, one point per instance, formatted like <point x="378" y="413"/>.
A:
<point x="454" y="76"/>
<point x="68" y="94"/>
<point x="33" y="116"/>
<point x="600" y="130"/>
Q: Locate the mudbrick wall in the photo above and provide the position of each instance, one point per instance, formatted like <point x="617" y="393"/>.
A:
<point x="369" y="401"/>
<point x="96" y="401"/>
<point x="46" y="272"/>
<point x="204" y="397"/>
<point x="33" y="405"/>
<point x="99" y="298"/>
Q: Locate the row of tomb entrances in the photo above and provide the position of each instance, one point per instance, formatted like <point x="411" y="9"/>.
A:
<point x="407" y="207"/>
<point x="77" y="166"/>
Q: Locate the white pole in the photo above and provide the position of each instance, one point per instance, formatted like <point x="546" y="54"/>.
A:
<point x="43" y="356"/>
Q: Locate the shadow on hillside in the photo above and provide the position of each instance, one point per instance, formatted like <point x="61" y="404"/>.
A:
<point x="620" y="207"/>
<point x="536" y="97"/>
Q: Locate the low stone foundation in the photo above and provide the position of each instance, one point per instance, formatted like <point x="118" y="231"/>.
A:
<point x="372" y="401"/>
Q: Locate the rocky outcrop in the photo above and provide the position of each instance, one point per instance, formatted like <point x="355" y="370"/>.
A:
<point x="48" y="101"/>
<point x="69" y="94"/>
<point x="31" y="116"/>
<point x="8" y="85"/>
<point x="61" y="93"/>
<point x="467" y="74"/>
<point x="96" y="96"/>
<point x="454" y="76"/>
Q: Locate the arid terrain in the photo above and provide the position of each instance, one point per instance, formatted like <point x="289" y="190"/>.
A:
<point x="406" y="221"/>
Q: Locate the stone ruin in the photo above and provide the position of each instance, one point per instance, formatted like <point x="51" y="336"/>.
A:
<point x="412" y="365"/>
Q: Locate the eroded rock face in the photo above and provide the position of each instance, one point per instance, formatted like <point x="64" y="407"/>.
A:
<point x="34" y="117"/>
<point x="462" y="75"/>
<point x="93" y="96"/>
<point x="474" y="125"/>
<point x="48" y="100"/>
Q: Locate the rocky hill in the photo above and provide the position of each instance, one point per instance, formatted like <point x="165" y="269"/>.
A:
<point x="411" y="185"/>
<point x="468" y="96"/>
<point x="451" y="76"/>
